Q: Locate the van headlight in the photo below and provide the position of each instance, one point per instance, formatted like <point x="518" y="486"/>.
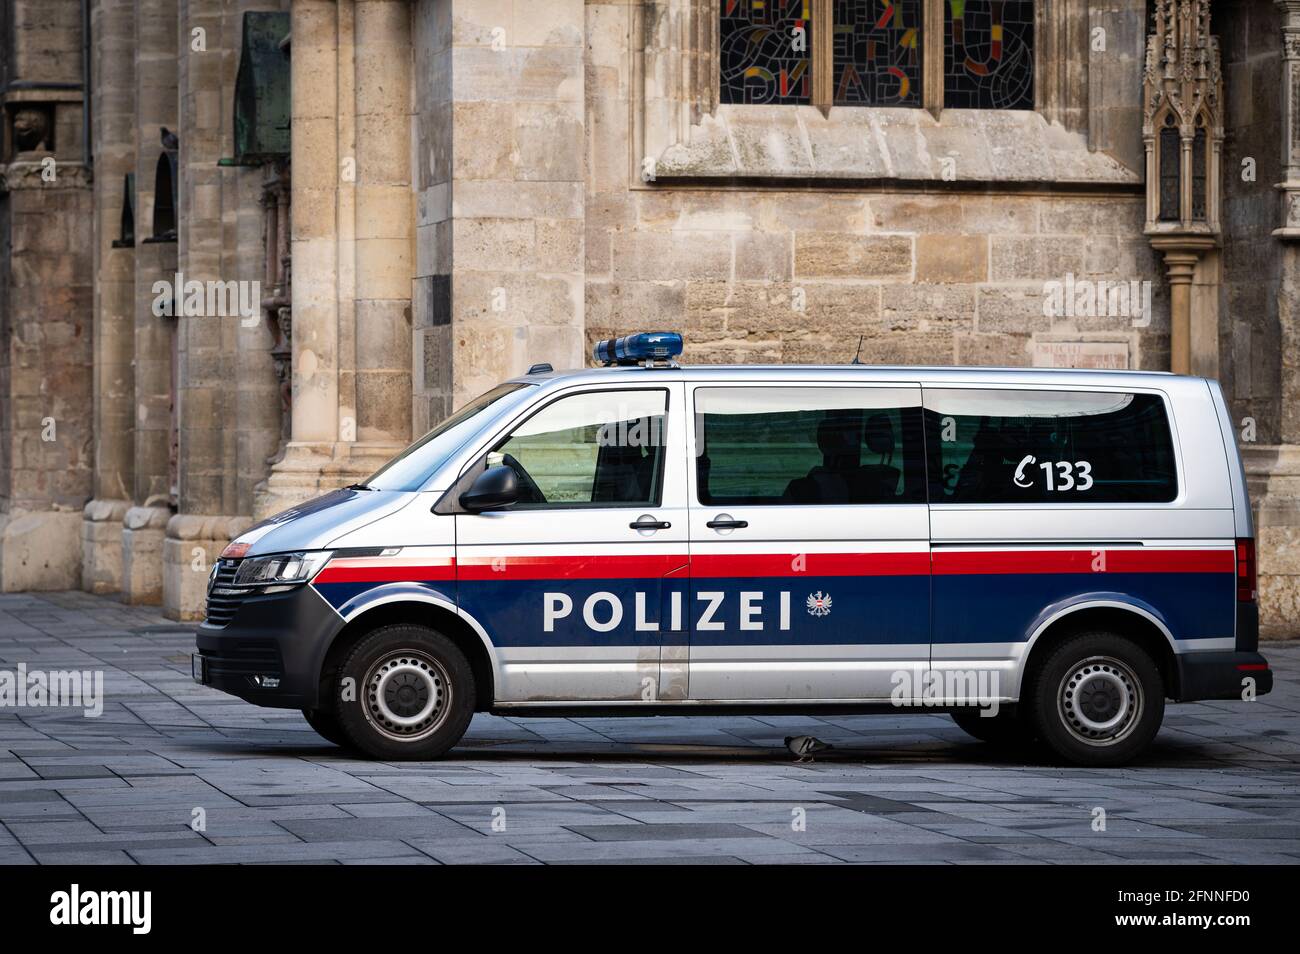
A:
<point x="280" y="571"/>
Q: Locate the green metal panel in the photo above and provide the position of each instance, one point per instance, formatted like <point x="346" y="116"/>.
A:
<point x="262" y="89"/>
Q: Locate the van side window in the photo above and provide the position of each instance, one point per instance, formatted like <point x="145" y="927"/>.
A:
<point x="788" y="446"/>
<point x="595" y="449"/>
<point x="990" y="446"/>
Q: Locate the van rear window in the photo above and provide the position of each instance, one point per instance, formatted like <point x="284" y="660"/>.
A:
<point x="994" y="447"/>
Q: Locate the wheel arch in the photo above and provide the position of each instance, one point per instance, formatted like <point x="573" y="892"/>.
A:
<point x="403" y="603"/>
<point x="1140" y="623"/>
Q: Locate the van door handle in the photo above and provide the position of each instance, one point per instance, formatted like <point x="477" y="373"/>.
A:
<point x="645" y="524"/>
<point x="727" y="524"/>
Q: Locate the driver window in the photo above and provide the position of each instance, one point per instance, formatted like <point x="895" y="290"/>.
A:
<point x="599" y="448"/>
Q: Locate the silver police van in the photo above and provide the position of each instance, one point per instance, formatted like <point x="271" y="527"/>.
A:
<point x="1046" y="555"/>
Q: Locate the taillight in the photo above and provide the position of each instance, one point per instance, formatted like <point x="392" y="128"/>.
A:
<point x="1247" y="585"/>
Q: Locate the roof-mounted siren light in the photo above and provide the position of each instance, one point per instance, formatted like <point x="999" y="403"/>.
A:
<point x="649" y="349"/>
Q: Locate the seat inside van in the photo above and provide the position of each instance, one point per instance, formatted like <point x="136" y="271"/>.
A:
<point x="842" y="477"/>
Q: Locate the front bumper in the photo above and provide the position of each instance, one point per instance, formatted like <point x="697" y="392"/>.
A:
<point x="1222" y="675"/>
<point x="278" y="638"/>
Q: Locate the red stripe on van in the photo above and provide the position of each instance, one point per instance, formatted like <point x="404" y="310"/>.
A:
<point x="354" y="571"/>
<point x="958" y="562"/>
<point x="756" y="565"/>
<point x="577" y="567"/>
<point x="713" y="566"/>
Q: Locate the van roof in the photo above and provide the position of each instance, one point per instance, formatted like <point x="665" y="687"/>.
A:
<point x="849" y="372"/>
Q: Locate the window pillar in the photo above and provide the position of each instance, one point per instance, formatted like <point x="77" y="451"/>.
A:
<point x="932" y="56"/>
<point x="823" y="55"/>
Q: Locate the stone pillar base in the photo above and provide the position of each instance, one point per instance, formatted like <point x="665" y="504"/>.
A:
<point x="101" y="545"/>
<point x="191" y="544"/>
<point x="40" y="550"/>
<point x="310" y="469"/>
<point x="143" y="531"/>
<point x="1273" y="474"/>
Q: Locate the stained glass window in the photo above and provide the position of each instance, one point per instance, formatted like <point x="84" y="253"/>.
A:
<point x="877" y="53"/>
<point x="761" y="62"/>
<point x="988" y="59"/>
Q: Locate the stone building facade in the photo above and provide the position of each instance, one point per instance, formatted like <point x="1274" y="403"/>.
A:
<point x="434" y="194"/>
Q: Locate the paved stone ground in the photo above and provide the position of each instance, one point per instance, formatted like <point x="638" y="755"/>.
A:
<point x="1219" y="786"/>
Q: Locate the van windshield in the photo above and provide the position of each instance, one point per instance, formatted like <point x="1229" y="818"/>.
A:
<point x="413" y="467"/>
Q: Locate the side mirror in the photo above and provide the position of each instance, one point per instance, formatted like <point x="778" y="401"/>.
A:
<point x="494" y="489"/>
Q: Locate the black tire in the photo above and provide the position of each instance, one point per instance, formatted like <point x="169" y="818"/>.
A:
<point x="405" y="692"/>
<point x="327" y="726"/>
<point x="1008" y="729"/>
<point x="1097" y="699"/>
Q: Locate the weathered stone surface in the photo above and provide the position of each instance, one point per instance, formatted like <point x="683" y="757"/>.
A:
<point x="841" y="255"/>
<point x="143" y="532"/>
<point x="40" y="550"/>
<point x="994" y="350"/>
<point x="1039" y="257"/>
<point x="952" y="258"/>
<point x="101" y="546"/>
<point x="912" y="306"/>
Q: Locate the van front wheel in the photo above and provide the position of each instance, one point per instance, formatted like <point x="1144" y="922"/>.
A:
<point x="405" y="692"/>
<point x="1097" y="699"/>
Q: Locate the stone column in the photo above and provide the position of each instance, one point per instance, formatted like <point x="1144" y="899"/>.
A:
<point x="46" y="304"/>
<point x="1289" y="233"/>
<point x="352" y="246"/>
<point x="1274" y="471"/>
<point x="501" y="185"/>
<point x="113" y="69"/>
<point x="377" y="378"/>
<point x="1183" y="254"/>
<point x="155" y="336"/>
<point x="210" y="200"/>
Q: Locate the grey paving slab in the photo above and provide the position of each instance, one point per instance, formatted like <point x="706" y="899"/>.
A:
<point x="1221" y="784"/>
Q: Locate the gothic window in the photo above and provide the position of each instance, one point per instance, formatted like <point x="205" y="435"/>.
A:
<point x="164" y="198"/>
<point x="126" y="231"/>
<point x="988" y="54"/>
<point x="1182" y="121"/>
<point x="1199" y="148"/>
<point x="1170" y="150"/>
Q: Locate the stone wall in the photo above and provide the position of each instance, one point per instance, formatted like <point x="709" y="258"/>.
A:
<point x="853" y="227"/>
<point x="226" y="390"/>
<point x="46" y="299"/>
<point x="501" y="125"/>
<point x="45" y="433"/>
<point x="1249" y="332"/>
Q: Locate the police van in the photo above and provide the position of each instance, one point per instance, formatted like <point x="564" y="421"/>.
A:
<point x="1047" y="555"/>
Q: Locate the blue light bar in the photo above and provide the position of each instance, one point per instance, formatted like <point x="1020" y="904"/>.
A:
<point x="634" y="349"/>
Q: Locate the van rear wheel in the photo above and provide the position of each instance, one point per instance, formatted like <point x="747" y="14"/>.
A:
<point x="1097" y="700"/>
<point x="405" y="692"/>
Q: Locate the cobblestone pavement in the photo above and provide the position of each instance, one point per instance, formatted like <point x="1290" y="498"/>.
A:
<point x="1220" y="785"/>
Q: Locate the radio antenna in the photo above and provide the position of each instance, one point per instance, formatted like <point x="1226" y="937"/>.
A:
<point x="858" y="351"/>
